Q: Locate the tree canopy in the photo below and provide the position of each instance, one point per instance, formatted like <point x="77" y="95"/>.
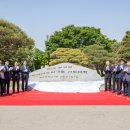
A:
<point x="97" y="57"/>
<point x="124" y="48"/>
<point x="15" y="45"/>
<point x="77" y="37"/>
<point x="85" y="46"/>
<point x="75" y="56"/>
<point x="39" y="59"/>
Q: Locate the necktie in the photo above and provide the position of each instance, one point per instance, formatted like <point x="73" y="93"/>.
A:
<point x="7" y="68"/>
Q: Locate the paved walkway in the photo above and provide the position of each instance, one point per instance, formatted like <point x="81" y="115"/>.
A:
<point x="65" y="118"/>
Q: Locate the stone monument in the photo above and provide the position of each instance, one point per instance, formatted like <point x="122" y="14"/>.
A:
<point x="64" y="72"/>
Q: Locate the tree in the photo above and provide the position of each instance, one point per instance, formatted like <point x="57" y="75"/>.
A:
<point x="124" y="49"/>
<point x="38" y="59"/>
<point x="97" y="57"/>
<point x="43" y="58"/>
<point x="75" y="56"/>
<point x="15" y="45"/>
<point x="77" y="37"/>
<point x="115" y="47"/>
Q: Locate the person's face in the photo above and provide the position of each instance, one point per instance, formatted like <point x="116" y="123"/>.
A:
<point x="122" y="62"/>
<point x="16" y="64"/>
<point x="25" y="62"/>
<point x="107" y="63"/>
<point x="7" y="62"/>
<point x="128" y="63"/>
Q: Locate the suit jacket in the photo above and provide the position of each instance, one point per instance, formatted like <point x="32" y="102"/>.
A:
<point x="107" y="72"/>
<point x="124" y="76"/>
<point x="7" y="73"/>
<point x="2" y="69"/>
<point x="25" y="71"/>
<point x="127" y="74"/>
<point x="114" y="70"/>
<point x="16" y="72"/>
<point x="121" y="71"/>
<point x="117" y="71"/>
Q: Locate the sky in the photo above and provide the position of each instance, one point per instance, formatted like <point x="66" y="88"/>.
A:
<point x="39" y="18"/>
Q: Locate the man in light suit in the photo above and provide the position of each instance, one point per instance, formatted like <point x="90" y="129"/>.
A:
<point x="2" y="69"/>
<point x="25" y="76"/>
<point x="107" y="70"/>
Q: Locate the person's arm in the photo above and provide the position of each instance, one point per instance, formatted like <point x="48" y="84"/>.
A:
<point x="127" y="71"/>
<point x="2" y="69"/>
<point x="11" y="69"/>
<point x="111" y="69"/>
<point x="120" y="69"/>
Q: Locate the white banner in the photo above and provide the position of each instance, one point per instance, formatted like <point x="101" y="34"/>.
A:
<point x="69" y="87"/>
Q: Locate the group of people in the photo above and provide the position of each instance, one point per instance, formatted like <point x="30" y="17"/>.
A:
<point x="117" y="77"/>
<point x="14" y="74"/>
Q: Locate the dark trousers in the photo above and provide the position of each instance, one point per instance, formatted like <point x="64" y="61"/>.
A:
<point x="2" y="86"/>
<point x="15" y="80"/>
<point x="107" y="84"/>
<point x="115" y="84"/>
<point x="6" y="85"/>
<point x="25" y="82"/>
<point x="119" y="86"/>
<point x="125" y="87"/>
<point x="128" y="88"/>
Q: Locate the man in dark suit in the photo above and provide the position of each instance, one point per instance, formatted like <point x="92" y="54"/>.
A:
<point x="127" y="78"/>
<point x="107" y="70"/>
<point x="16" y="76"/>
<point x="7" y="77"/>
<point x="25" y="76"/>
<point x="120" y="76"/>
<point x="114" y="77"/>
<point x="2" y="69"/>
<point x="125" y="86"/>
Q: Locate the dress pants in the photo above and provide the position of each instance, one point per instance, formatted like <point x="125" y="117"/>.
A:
<point x="114" y="84"/>
<point x="15" y="80"/>
<point x="6" y="85"/>
<point x="125" y="88"/>
<point x="2" y="86"/>
<point x="25" y="82"/>
<point x="107" y="84"/>
<point x="128" y="88"/>
<point x="119" y="86"/>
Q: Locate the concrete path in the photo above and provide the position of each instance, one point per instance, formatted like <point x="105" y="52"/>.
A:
<point x="65" y="118"/>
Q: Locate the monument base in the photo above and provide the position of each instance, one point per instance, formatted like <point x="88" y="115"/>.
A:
<point x="67" y="87"/>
